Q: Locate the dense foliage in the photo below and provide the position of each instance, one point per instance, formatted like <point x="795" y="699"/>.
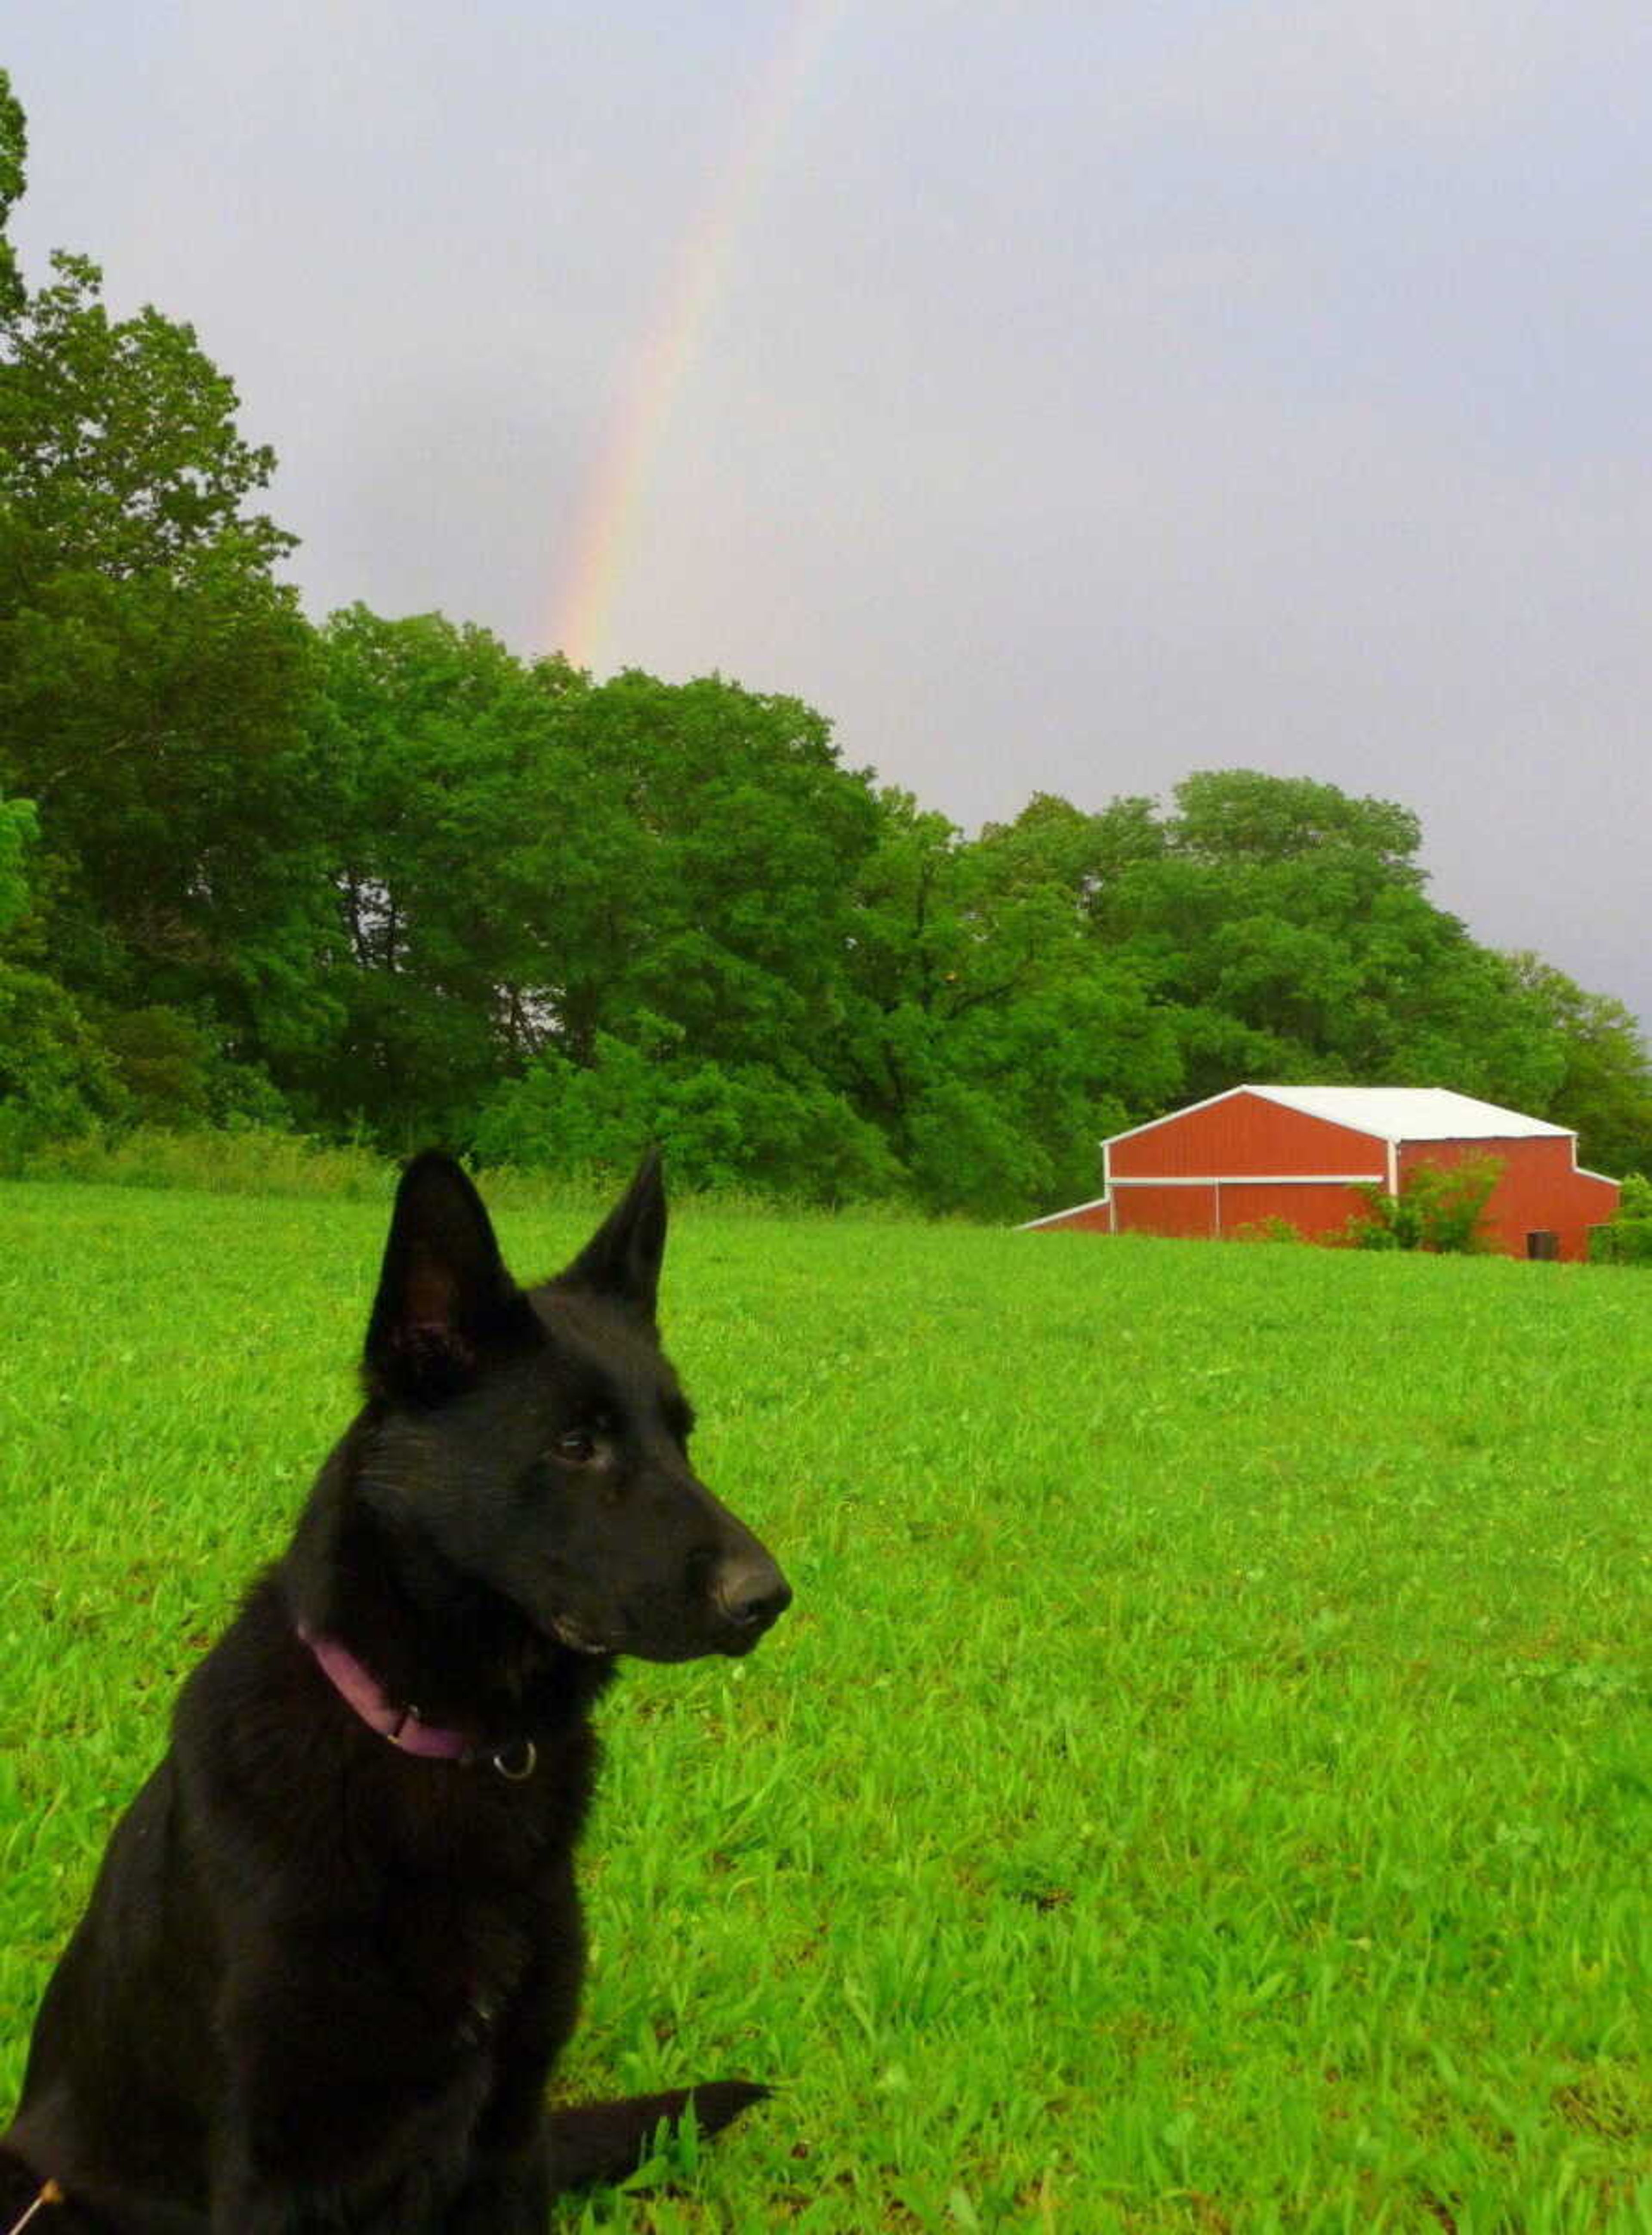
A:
<point x="384" y="878"/>
<point x="1439" y="1207"/>
<point x="1626" y="1239"/>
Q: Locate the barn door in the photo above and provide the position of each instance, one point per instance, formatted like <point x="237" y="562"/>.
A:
<point x="1188" y="1210"/>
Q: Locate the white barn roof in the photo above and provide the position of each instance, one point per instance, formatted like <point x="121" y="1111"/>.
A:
<point x="1410" y="1113"/>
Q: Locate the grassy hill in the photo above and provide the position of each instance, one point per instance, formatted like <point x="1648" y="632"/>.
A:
<point x="1203" y="1783"/>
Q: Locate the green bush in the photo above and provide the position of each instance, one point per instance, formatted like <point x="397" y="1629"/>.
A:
<point x="1626" y="1238"/>
<point x="723" y="1126"/>
<point x="1439" y="1207"/>
<point x="17" y="828"/>
<point x="56" y="1082"/>
<point x="178" y="1077"/>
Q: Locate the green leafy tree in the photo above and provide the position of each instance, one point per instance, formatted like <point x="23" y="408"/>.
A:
<point x="703" y="868"/>
<point x="527" y="867"/>
<point x="1286" y="927"/>
<point x="1227" y="816"/>
<point x="14" y="153"/>
<point x="441" y="767"/>
<point x="18" y="824"/>
<point x="55" y="1080"/>
<point x="721" y="1125"/>
<point x="152" y="671"/>
<point x="1604" y="1088"/>
<point x="988" y="1035"/>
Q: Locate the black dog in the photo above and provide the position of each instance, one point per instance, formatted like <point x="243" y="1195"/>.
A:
<point x="335" y="1948"/>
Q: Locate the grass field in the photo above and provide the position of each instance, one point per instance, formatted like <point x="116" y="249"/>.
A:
<point x="1204" y="1782"/>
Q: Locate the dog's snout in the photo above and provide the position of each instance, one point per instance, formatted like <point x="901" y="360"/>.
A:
<point x="751" y="1592"/>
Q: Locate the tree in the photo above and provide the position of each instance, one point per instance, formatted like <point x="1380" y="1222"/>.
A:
<point x="719" y="1124"/>
<point x="438" y="957"/>
<point x="55" y="1079"/>
<point x="704" y="869"/>
<point x="18" y="824"/>
<point x="1286" y="927"/>
<point x="1604" y="1089"/>
<point x="14" y="153"/>
<point x="419" y="883"/>
<point x="988" y="1034"/>
<point x="152" y="673"/>
<point x="1230" y="816"/>
<point x="528" y="869"/>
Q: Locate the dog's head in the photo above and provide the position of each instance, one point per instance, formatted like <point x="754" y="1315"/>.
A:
<point x="538" y="1439"/>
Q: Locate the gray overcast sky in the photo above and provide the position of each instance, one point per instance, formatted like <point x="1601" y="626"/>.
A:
<point x="1073" y="395"/>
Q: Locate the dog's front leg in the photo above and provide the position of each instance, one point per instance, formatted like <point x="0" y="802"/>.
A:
<point x="509" y="2186"/>
<point x="342" y="2109"/>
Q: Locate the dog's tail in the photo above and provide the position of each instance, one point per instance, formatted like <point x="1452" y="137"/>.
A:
<point x="606" y="2141"/>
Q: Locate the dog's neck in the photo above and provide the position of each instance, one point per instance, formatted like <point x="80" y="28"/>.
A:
<point x="402" y="1726"/>
<point x="419" y="1653"/>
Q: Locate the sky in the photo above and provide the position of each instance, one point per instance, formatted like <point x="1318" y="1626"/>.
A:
<point x="1060" y="395"/>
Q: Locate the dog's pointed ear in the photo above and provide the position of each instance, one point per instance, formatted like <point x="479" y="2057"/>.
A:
<point x="445" y="1303"/>
<point x="622" y="1259"/>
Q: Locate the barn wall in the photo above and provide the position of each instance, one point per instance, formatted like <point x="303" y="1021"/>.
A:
<point x="1249" y="1136"/>
<point x="1088" y="1218"/>
<point x="1315" y="1212"/>
<point x="1540" y="1191"/>
<point x="1188" y="1211"/>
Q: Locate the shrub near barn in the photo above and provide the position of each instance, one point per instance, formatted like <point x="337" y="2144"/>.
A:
<point x="1439" y="1208"/>
<point x="1626" y="1239"/>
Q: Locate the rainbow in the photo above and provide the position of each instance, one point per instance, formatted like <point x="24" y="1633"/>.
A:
<point x="606" y="521"/>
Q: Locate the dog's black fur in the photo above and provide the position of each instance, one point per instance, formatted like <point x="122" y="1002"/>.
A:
<point x="322" y="1981"/>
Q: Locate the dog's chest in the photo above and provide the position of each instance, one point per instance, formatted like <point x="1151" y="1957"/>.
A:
<point x="464" y="1961"/>
<point x="470" y="1880"/>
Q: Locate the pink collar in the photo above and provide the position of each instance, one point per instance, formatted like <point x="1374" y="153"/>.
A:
<point x="401" y="1725"/>
<point x="516" y="1760"/>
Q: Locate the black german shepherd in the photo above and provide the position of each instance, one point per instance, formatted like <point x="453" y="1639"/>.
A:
<point x="334" y="1949"/>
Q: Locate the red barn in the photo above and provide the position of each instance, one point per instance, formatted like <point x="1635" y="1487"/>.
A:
<point x="1295" y="1153"/>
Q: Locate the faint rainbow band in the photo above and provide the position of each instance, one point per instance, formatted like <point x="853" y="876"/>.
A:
<point x="605" y="533"/>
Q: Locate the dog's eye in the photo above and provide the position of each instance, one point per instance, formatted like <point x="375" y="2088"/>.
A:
<point x="578" y="1446"/>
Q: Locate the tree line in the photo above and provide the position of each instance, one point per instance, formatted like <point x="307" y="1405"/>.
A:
<point x="384" y="878"/>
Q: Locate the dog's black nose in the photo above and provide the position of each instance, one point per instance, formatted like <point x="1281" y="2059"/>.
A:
<point x="751" y="1592"/>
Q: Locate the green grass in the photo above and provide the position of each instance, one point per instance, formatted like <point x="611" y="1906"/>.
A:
<point x="1203" y="1784"/>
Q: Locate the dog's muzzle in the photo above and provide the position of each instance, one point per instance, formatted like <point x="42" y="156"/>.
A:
<point x="750" y="1593"/>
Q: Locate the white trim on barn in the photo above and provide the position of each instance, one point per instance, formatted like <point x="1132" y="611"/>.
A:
<point x="1244" y="1179"/>
<point x="1147" y="1126"/>
<point x="1101" y="1202"/>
